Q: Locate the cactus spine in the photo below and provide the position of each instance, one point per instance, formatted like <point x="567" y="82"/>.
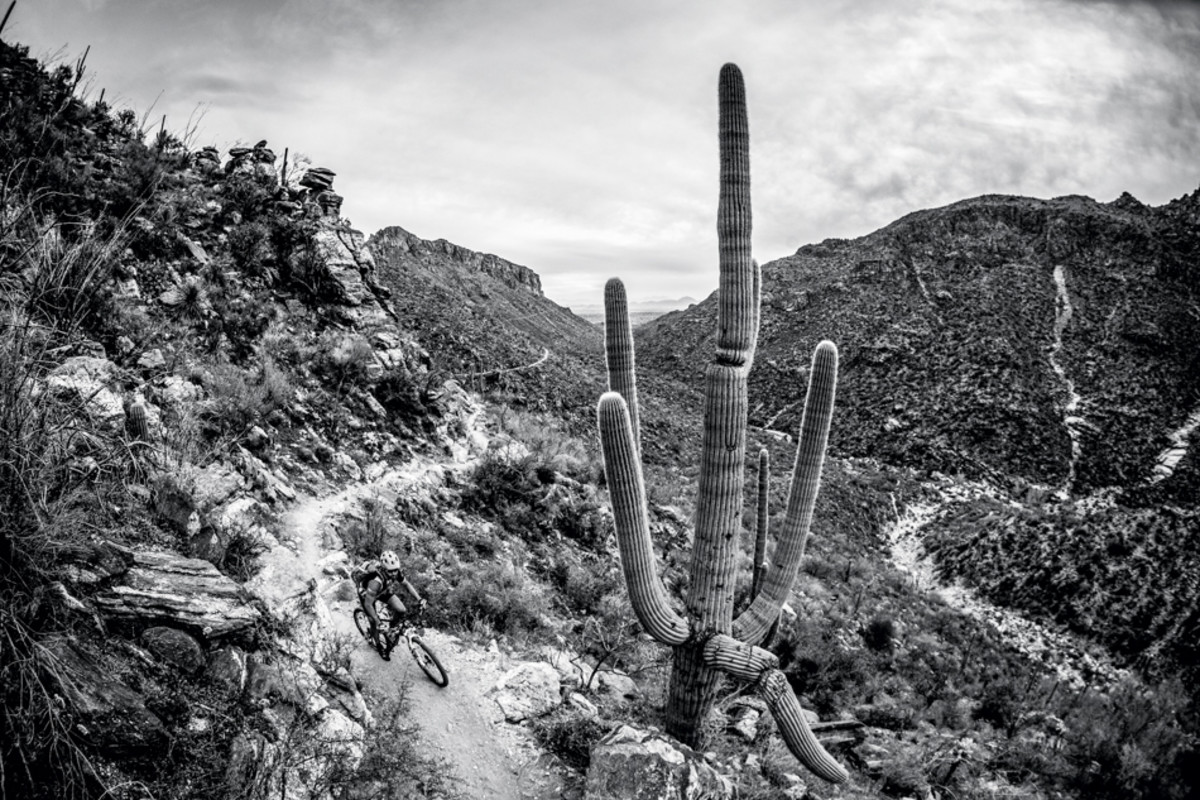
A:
<point x="706" y="639"/>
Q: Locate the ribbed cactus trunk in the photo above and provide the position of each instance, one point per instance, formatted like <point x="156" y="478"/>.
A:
<point x="762" y="522"/>
<point x="722" y="465"/>
<point x="701" y="637"/>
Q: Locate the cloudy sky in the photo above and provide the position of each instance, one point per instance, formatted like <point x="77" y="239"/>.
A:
<point x="579" y="138"/>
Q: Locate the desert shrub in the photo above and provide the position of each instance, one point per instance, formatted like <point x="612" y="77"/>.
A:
<point x="393" y="764"/>
<point x="570" y="735"/>
<point x="344" y="360"/>
<point x="250" y="246"/>
<point x="903" y="779"/>
<point x="582" y="585"/>
<point x="1001" y="705"/>
<point x="67" y="272"/>
<point x="246" y="196"/>
<point x="1136" y="741"/>
<point x="234" y="403"/>
<point x="530" y="499"/>
<point x="549" y="444"/>
<point x="474" y="541"/>
<point x="239" y="559"/>
<point x="880" y="634"/>
<point x="497" y="597"/>
<point x="238" y="399"/>
<point x="819" y="667"/>
<point x="366" y="538"/>
<point x="242" y="319"/>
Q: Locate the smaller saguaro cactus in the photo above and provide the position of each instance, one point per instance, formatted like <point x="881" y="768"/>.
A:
<point x="135" y="423"/>
<point x="707" y="640"/>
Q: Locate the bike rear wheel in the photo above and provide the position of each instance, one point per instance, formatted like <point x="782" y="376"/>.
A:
<point x="428" y="662"/>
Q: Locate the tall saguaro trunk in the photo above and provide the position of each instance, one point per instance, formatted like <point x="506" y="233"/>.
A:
<point x="722" y="471"/>
<point x="703" y="637"/>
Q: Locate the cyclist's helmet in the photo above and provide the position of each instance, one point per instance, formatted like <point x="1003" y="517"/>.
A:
<point x="389" y="560"/>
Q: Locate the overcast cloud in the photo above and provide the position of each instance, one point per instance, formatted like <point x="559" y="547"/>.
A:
<point x="579" y="138"/>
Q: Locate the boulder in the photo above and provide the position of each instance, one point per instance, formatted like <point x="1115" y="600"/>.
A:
<point x="110" y="716"/>
<point x="175" y="647"/>
<point x="616" y="683"/>
<point x="84" y="380"/>
<point x="582" y="704"/>
<point x="631" y="764"/>
<point x="227" y="670"/>
<point x="215" y="484"/>
<point x="527" y="691"/>
<point x="254" y="771"/>
<point x="268" y="684"/>
<point x="175" y="393"/>
<point x="345" y="262"/>
<point x="187" y="593"/>
<point x="152" y="360"/>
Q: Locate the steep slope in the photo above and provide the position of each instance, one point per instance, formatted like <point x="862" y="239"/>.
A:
<point x="1054" y="340"/>
<point x="478" y="288"/>
<point x="486" y="320"/>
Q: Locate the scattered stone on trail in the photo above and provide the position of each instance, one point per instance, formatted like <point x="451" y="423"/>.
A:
<point x="631" y="763"/>
<point x="110" y="716"/>
<point x="529" y="690"/>
<point x="175" y="647"/>
<point x="188" y="593"/>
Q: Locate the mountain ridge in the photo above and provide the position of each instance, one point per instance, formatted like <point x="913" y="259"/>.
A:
<point x="976" y="311"/>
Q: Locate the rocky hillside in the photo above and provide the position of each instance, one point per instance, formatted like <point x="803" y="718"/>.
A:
<point x="1053" y="341"/>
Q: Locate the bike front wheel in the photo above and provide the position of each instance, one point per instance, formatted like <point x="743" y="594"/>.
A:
<point x="363" y="623"/>
<point x="428" y="662"/>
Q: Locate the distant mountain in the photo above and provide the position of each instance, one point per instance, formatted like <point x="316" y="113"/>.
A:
<point x="640" y="311"/>
<point x="1053" y="340"/>
<point x="477" y="285"/>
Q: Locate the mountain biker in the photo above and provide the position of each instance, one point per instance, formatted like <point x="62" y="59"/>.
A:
<point x="380" y="580"/>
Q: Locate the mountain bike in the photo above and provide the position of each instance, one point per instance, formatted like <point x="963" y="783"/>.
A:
<point x="410" y="631"/>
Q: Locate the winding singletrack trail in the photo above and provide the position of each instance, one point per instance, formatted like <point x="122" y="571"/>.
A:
<point x="461" y="723"/>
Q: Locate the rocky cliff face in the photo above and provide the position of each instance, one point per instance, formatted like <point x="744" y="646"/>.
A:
<point x="448" y="259"/>
<point x="1054" y="340"/>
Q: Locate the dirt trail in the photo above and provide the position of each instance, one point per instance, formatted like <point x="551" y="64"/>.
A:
<point x="461" y="723"/>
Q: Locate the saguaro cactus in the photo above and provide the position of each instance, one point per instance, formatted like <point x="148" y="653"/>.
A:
<point x="706" y="639"/>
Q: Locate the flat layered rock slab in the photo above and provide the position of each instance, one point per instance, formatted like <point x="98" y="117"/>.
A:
<point x="189" y="593"/>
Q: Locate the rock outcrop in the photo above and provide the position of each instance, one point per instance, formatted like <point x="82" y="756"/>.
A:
<point x="112" y="717"/>
<point x="185" y="593"/>
<point x="631" y="764"/>
<point x="514" y="276"/>
<point x="528" y="691"/>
